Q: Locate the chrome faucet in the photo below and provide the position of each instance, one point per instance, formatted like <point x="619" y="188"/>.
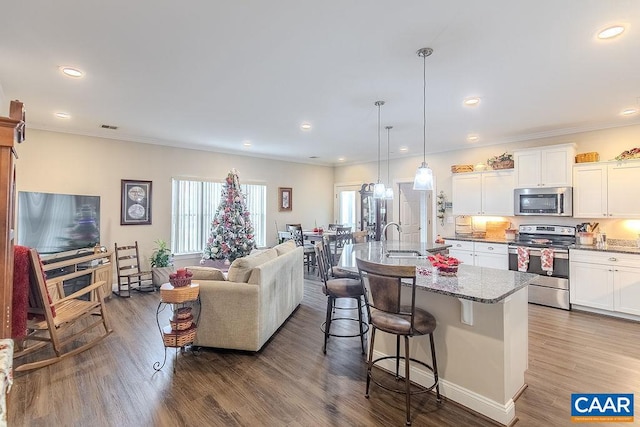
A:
<point x="384" y="230"/>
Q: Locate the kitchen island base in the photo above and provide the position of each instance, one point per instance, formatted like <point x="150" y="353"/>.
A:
<point x="481" y="366"/>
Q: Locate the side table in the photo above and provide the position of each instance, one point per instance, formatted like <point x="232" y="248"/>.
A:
<point x="182" y="327"/>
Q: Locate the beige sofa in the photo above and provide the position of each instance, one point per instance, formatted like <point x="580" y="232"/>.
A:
<point x="260" y="292"/>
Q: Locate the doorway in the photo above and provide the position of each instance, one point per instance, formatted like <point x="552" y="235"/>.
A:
<point x="347" y="205"/>
<point x="414" y="211"/>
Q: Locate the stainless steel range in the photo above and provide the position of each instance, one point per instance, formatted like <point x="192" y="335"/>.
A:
<point x="545" y="248"/>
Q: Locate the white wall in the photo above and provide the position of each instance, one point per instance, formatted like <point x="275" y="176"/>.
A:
<point x="609" y="143"/>
<point x="71" y="164"/>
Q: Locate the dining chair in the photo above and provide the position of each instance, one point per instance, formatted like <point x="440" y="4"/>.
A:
<point x="343" y="236"/>
<point x="333" y="227"/>
<point x="308" y="249"/>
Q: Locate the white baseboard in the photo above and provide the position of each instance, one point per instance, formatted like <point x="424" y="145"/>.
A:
<point x="503" y="413"/>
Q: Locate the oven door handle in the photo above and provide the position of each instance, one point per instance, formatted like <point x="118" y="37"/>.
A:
<point x="536" y="252"/>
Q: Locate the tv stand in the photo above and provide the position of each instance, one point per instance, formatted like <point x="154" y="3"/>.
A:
<point x="80" y="270"/>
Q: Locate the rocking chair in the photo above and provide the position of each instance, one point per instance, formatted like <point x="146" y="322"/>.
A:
<point x="60" y="320"/>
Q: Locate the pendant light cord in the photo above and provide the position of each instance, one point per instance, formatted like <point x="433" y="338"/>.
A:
<point x="388" y="155"/>
<point x="378" y="103"/>
<point x="424" y="109"/>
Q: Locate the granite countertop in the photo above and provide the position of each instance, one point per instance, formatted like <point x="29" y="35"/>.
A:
<point x="480" y="239"/>
<point x="613" y="245"/>
<point x="609" y="248"/>
<point x="480" y="284"/>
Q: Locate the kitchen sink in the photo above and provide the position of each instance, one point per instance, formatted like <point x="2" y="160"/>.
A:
<point x="397" y="253"/>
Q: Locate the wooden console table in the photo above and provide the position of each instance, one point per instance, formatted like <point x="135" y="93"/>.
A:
<point x="98" y="265"/>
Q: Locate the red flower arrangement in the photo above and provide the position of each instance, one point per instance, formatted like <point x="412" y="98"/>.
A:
<point x="446" y="265"/>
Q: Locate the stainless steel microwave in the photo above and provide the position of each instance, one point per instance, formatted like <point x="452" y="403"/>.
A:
<point x="549" y="201"/>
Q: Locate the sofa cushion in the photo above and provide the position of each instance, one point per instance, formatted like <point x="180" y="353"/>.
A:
<point x="240" y="269"/>
<point x="285" y="247"/>
<point x="206" y="273"/>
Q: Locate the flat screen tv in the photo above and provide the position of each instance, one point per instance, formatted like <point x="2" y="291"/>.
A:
<point x="54" y="223"/>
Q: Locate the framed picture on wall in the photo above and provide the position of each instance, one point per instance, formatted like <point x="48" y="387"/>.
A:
<point x="135" y="202"/>
<point x="285" y="199"/>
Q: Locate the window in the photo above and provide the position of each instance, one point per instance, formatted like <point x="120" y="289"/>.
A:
<point x="193" y="205"/>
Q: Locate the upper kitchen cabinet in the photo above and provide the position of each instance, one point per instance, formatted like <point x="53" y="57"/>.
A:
<point x="544" y="167"/>
<point x="483" y="193"/>
<point x="604" y="190"/>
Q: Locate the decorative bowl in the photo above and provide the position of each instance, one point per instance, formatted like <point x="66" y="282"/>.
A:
<point x="179" y="282"/>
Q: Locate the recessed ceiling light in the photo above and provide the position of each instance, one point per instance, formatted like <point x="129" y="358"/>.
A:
<point x="629" y="111"/>
<point x="471" y="102"/>
<point x="247" y="143"/>
<point x="62" y="115"/>
<point x="305" y="126"/>
<point x="403" y="149"/>
<point x="341" y="159"/>
<point x="71" y="72"/>
<point x="473" y="138"/>
<point x="611" y="32"/>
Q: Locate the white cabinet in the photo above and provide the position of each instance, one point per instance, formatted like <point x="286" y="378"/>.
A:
<point x="492" y="255"/>
<point x="544" y="167"/>
<point x="483" y="193"/>
<point x="605" y="281"/>
<point x="462" y="250"/>
<point x="604" y="190"/>
<point x="480" y="254"/>
<point x="622" y="189"/>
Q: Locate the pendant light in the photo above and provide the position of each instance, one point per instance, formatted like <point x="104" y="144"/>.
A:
<point x="388" y="193"/>
<point x="424" y="175"/>
<point x="378" y="189"/>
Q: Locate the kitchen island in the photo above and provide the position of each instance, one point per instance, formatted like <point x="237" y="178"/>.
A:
<point x="482" y="328"/>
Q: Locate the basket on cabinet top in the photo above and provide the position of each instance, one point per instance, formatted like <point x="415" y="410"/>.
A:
<point x="461" y="168"/>
<point x="504" y="164"/>
<point x="587" y="157"/>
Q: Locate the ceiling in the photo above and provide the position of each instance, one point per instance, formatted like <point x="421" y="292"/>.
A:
<point x="215" y="75"/>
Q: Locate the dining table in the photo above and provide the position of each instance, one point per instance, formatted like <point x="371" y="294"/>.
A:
<point x="316" y="236"/>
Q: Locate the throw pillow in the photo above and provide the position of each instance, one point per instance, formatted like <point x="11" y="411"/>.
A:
<point x="206" y="273"/>
<point x="241" y="268"/>
<point x="285" y="247"/>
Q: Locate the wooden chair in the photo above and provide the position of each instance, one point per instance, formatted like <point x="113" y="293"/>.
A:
<point x="130" y="275"/>
<point x="60" y="321"/>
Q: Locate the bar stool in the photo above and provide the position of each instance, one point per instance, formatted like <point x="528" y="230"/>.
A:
<point x="340" y="288"/>
<point x="391" y="313"/>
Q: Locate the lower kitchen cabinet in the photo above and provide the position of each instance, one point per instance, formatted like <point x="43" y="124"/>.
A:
<point x="608" y="282"/>
<point x="480" y="254"/>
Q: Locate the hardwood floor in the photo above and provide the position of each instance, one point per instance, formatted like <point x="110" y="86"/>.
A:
<point x="290" y="382"/>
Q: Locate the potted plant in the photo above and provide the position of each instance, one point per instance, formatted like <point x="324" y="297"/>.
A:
<point x="161" y="263"/>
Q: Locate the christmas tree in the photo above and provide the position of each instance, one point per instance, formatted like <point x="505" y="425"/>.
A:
<point x="231" y="233"/>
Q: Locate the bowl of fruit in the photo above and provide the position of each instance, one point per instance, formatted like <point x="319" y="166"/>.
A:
<point x="446" y="265"/>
